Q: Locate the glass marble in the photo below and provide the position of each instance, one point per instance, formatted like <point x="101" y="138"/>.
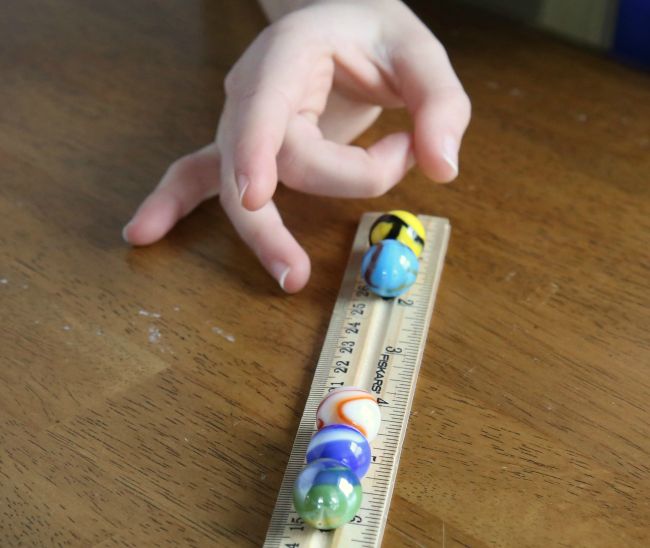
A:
<point x="344" y="444"/>
<point x="327" y="494"/>
<point x="399" y="225"/>
<point x="389" y="268"/>
<point x="351" y="406"/>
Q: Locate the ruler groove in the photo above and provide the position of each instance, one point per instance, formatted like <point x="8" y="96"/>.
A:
<point x="396" y="336"/>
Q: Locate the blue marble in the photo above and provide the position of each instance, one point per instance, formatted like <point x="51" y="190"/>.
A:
<point x="389" y="268"/>
<point x="342" y="443"/>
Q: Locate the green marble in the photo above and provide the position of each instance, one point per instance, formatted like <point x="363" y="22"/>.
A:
<point x="327" y="494"/>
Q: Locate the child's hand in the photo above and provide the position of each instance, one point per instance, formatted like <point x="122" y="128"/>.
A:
<point x="316" y="78"/>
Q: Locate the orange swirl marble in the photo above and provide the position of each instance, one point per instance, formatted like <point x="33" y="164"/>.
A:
<point x="351" y="406"/>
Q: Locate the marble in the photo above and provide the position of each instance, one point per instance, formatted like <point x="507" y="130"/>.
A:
<point x="344" y="444"/>
<point x="399" y="225"/>
<point x="327" y="494"/>
<point x="353" y="407"/>
<point x="389" y="268"/>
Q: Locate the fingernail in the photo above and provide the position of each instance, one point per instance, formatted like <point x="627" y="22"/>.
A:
<point x="283" y="277"/>
<point x="280" y="272"/>
<point x="410" y="161"/>
<point x="242" y="185"/>
<point x="450" y="152"/>
<point x="124" y="230"/>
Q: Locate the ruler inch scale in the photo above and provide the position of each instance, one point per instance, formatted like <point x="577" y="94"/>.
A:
<point x="377" y="345"/>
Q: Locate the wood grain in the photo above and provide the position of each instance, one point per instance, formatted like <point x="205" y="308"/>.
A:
<point x="150" y="396"/>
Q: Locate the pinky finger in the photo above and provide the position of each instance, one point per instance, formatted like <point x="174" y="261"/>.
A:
<point x="188" y="181"/>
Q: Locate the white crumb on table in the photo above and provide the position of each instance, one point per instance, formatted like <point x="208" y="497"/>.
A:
<point x="148" y="314"/>
<point x="154" y="334"/>
<point x="66" y="327"/>
<point x="222" y="333"/>
<point x="4" y="281"/>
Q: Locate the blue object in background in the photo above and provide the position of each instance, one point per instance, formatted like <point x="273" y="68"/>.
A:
<point x="632" y="35"/>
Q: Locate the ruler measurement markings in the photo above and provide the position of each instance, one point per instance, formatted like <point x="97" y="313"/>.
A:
<point x="403" y="327"/>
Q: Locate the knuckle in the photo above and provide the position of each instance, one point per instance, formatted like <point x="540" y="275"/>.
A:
<point x="179" y="167"/>
<point x="464" y="101"/>
<point x="290" y="24"/>
<point x="456" y="100"/>
<point x="227" y="197"/>
<point x="242" y="153"/>
<point x="232" y="82"/>
<point x="185" y="166"/>
<point x="377" y="185"/>
<point x="436" y="46"/>
<point x="464" y="107"/>
<point x="291" y="170"/>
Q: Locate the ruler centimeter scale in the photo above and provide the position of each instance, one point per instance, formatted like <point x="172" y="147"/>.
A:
<point x="377" y="345"/>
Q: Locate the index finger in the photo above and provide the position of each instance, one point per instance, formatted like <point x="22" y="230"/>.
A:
<point x="263" y="90"/>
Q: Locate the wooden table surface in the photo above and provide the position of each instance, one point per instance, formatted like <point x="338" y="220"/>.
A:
<point x="150" y="396"/>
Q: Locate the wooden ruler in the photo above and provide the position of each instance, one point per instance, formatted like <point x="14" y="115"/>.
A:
<point x="377" y="345"/>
